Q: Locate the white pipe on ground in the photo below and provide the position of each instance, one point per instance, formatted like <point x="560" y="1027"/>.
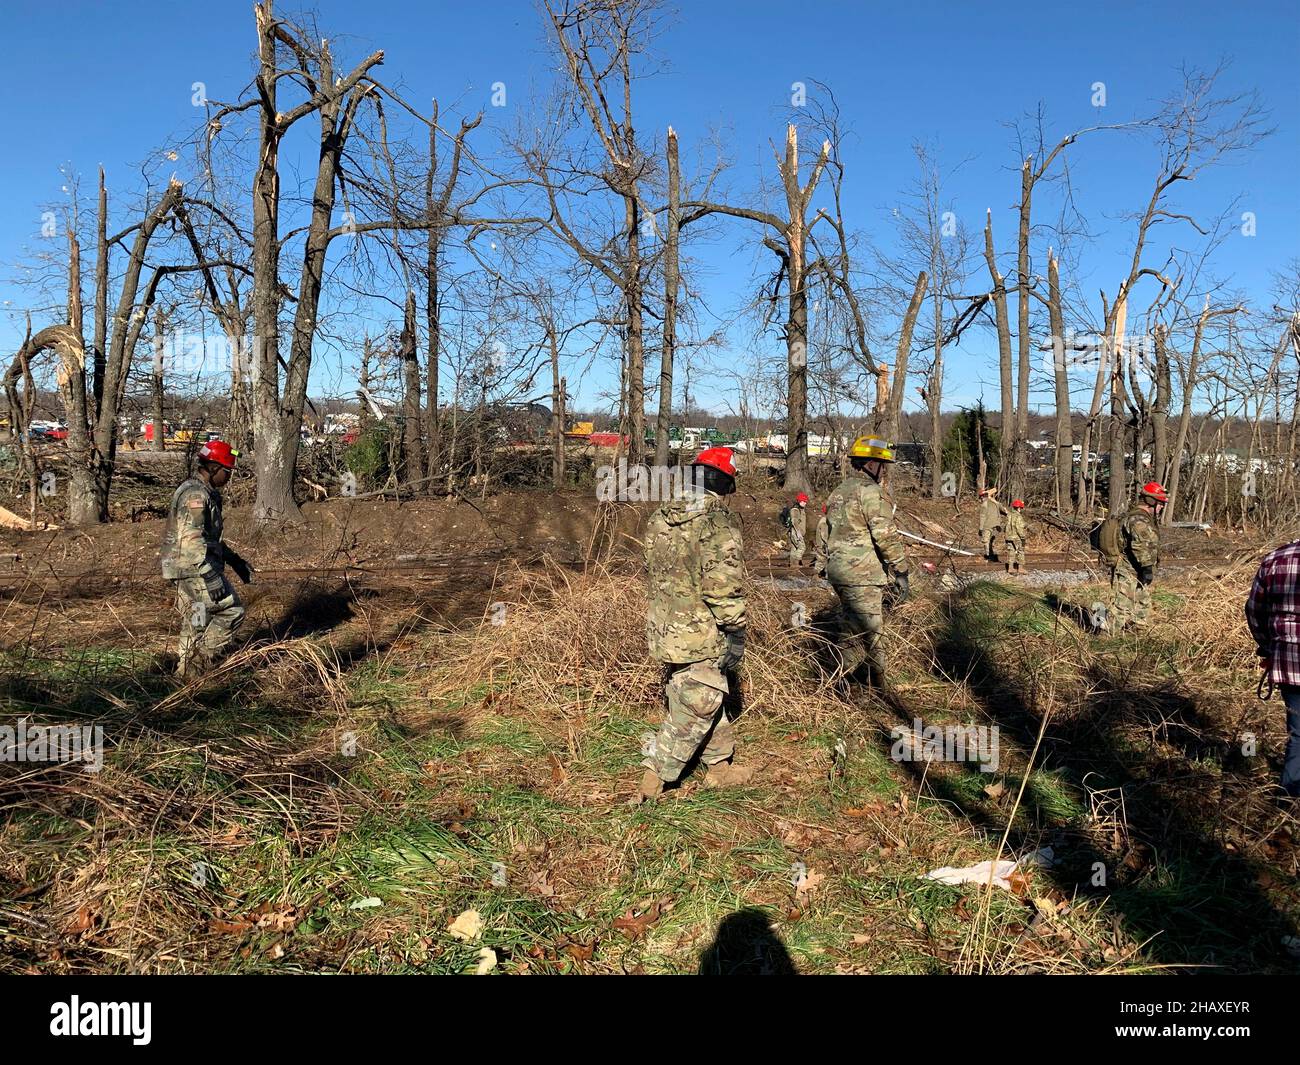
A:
<point x="941" y="547"/>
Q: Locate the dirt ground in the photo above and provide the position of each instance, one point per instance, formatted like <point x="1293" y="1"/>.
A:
<point x="523" y="525"/>
<point x="441" y="558"/>
<point x="492" y="761"/>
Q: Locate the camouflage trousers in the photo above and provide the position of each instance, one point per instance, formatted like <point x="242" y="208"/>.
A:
<point x="1130" y="598"/>
<point x="1015" y="551"/>
<point x="695" y="722"/>
<point x="988" y="538"/>
<point x="796" y="546"/>
<point x="863" y="619"/>
<point x="209" y="619"/>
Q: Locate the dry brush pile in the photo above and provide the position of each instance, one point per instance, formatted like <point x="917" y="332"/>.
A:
<point x="317" y="806"/>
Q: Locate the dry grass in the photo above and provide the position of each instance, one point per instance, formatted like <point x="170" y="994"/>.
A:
<point x="317" y="807"/>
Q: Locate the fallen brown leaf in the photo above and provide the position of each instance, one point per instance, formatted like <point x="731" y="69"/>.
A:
<point x="810" y="883"/>
<point x="541" y="885"/>
<point x="634" y="925"/>
<point x="85" y="920"/>
<point x="223" y="927"/>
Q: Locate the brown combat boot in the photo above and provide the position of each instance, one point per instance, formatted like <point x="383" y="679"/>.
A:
<point x="726" y="775"/>
<point x="651" y="787"/>
<point x="192" y="666"/>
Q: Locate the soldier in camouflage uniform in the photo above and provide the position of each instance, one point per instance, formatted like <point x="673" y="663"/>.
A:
<point x="1135" y="571"/>
<point x="990" y="521"/>
<point x="1015" y="532"/>
<point x="797" y="527"/>
<point x="194" y="559"/>
<point x="820" y="550"/>
<point x="695" y="624"/>
<point x="862" y="541"/>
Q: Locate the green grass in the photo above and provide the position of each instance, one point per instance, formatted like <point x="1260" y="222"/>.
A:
<point x="446" y="793"/>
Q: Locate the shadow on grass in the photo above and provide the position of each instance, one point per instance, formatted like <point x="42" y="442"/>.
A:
<point x="1174" y="884"/>
<point x="745" y="945"/>
<point x="1075" y="612"/>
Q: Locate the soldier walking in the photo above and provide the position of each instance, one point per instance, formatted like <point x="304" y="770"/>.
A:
<point x="695" y="624"/>
<point x="1015" y="536"/>
<point x="990" y="521"/>
<point x="194" y="559"/>
<point x="863" y="544"/>
<point x="820" y="550"/>
<point x="795" y="519"/>
<point x="1134" y="570"/>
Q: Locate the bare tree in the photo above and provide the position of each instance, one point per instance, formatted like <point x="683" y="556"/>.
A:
<point x="277" y="411"/>
<point x="94" y="418"/>
<point x="788" y="240"/>
<point x="600" y="42"/>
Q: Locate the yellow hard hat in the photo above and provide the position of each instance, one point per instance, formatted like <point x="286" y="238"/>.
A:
<point x="865" y="447"/>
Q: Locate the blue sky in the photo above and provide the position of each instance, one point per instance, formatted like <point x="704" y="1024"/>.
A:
<point x="109" y="83"/>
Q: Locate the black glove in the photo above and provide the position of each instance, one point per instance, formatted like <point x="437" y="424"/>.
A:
<point x="1146" y="574"/>
<point x="901" y="587"/>
<point x="735" y="650"/>
<point x="241" y="568"/>
<point x="215" y="584"/>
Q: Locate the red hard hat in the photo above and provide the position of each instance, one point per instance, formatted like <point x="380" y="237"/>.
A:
<point x="802" y="497"/>
<point x="1156" y="491"/>
<point x="720" y="458"/>
<point x="823" y="508"/>
<point x="1018" y="504"/>
<point x="220" y="452"/>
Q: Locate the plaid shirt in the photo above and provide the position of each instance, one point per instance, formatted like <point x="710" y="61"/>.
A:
<point x="1273" y="613"/>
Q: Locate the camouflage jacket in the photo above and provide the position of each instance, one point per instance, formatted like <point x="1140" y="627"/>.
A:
<point x="695" y="578"/>
<point x="1139" y="539"/>
<point x="990" y="515"/>
<point x="1014" y="528"/>
<point x="799" y="520"/>
<point x="861" y="536"/>
<point x="192" y="543"/>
